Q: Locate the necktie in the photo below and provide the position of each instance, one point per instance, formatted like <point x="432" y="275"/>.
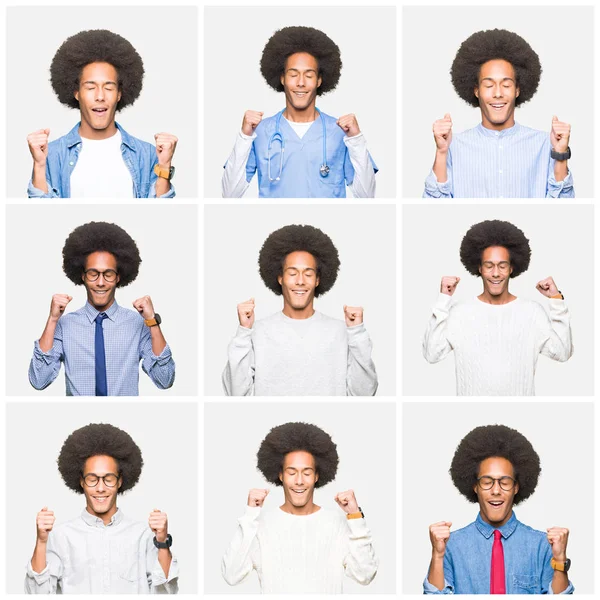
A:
<point x="100" y="358"/>
<point x="497" y="579"/>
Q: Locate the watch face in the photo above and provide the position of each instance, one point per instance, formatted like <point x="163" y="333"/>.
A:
<point x="171" y="173"/>
<point x="567" y="564"/>
<point x="157" y="318"/>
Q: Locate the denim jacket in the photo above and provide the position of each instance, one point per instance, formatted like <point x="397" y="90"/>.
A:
<point x="140" y="158"/>
<point x="468" y="558"/>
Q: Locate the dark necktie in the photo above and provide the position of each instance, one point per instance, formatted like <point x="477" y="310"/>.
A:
<point x="100" y="358"/>
<point x="497" y="579"/>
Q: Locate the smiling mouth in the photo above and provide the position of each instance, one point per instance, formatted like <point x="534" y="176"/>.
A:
<point x="100" y="499"/>
<point x="496" y="503"/>
<point x="99" y="111"/>
<point x="297" y="491"/>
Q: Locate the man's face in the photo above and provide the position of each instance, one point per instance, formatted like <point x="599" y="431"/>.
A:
<point x="298" y="477"/>
<point x="98" y="95"/>
<point x="495" y="270"/>
<point x="101" y="499"/>
<point x="100" y="292"/>
<point x="495" y="504"/>
<point x="497" y="92"/>
<point x="299" y="280"/>
<point x="301" y="80"/>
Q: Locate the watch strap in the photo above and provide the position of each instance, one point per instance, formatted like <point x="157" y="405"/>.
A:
<point x="166" y="544"/>
<point x="356" y="515"/>
<point x="560" y="565"/>
<point x="561" y="155"/>
<point x="164" y="173"/>
<point x="558" y="296"/>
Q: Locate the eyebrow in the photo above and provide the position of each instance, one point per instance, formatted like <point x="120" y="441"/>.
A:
<point x="492" y="79"/>
<point x="300" y="268"/>
<point x="96" y="82"/>
<point x="305" y="70"/>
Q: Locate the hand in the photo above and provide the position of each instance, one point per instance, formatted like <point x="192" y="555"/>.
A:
<point x="439" y="534"/>
<point x="347" y="502"/>
<point x="449" y="284"/>
<point x="442" y="133"/>
<point x="559" y="135"/>
<point x="246" y="313"/>
<point x="547" y="287"/>
<point x="353" y="315"/>
<point x="159" y="525"/>
<point x="256" y="497"/>
<point x="38" y="145"/>
<point x="349" y="124"/>
<point x="165" y="148"/>
<point x="58" y="305"/>
<point x="251" y="119"/>
<point x="558" y="538"/>
<point x="44" y="523"/>
<point x="144" y="306"/>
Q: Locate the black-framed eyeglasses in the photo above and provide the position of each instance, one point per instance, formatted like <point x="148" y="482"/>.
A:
<point x="92" y="275"/>
<point x="109" y="480"/>
<point x="487" y="483"/>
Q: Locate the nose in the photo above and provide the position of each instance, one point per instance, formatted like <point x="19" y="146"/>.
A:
<point x="99" y="94"/>
<point x="301" y="80"/>
<point x="497" y="90"/>
<point x="100" y="487"/>
<point x="496" y="489"/>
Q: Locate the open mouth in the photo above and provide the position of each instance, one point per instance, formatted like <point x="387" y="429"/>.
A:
<point x="100" y="499"/>
<point x="100" y="111"/>
<point x="300" y="94"/>
<point x="498" y="106"/>
<point x="496" y="503"/>
<point x="297" y="491"/>
<point x="300" y="292"/>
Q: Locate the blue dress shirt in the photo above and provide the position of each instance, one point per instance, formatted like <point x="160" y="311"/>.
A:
<point x="140" y="158"/>
<point x="126" y="341"/>
<point x="468" y="558"/>
<point x="512" y="163"/>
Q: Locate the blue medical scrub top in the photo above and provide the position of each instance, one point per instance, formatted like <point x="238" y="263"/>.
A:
<point x="302" y="159"/>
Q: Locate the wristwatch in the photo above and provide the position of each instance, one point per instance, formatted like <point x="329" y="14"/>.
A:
<point x="357" y="515"/>
<point x="167" y="174"/>
<point x="152" y="322"/>
<point x="166" y="544"/>
<point x="561" y="155"/>
<point x="561" y="566"/>
<point x="558" y="296"/>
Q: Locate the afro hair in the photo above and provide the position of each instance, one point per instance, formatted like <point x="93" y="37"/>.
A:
<point x="495" y="233"/>
<point x="495" y="441"/>
<point x="294" y="238"/>
<point x="291" y="437"/>
<point x="101" y="237"/>
<point x="290" y="40"/>
<point x="96" y="45"/>
<point x="99" y="439"/>
<point x="492" y="44"/>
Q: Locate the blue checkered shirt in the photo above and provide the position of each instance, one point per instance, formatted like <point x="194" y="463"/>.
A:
<point x="126" y="342"/>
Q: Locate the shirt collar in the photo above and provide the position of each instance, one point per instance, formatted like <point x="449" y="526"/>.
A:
<point x="93" y="521"/>
<point x="492" y="133"/>
<point x="73" y="138"/>
<point x="92" y="313"/>
<point x="506" y="530"/>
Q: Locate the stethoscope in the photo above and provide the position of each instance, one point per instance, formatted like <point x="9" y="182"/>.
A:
<point x="277" y="137"/>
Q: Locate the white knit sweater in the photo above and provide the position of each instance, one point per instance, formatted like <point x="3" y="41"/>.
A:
<point x="300" y="554"/>
<point x="496" y="347"/>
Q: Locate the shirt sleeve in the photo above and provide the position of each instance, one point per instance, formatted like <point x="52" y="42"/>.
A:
<point x="45" y="366"/>
<point x="161" y="368"/>
<point x="361" y="378"/>
<point x="240" y="167"/>
<point x="157" y="582"/>
<point x="243" y="553"/>
<point x="363" y="184"/>
<point x="559" y="189"/>
<point x="360" y="562"/>
<point x="435" y="342"/>
<point x="548" y="575"/>
<point x="555" y="331"/>
<point x="33" y="192"/>
<point x="429" y="588"/>
<point x="435" y="189"/>
<point x="238" y="375"/>
<point x="48" y="581"/>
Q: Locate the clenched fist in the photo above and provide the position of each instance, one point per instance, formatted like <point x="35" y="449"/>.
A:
<point x="165" y="148"/>
<point x="439" y="534"/>
<point x="44" y="523"/>
<point x="559" y="135"/>
<point x="448" y="285"/>
<point x="159" y="525"/>
<point x="58" y="305"/>
<point x="245" y="312"/>
<point x="353" y="315"/>
<point x="442" y="133"/>
<point x="251" y="119"/>
<point x="38" y="145"/>
<point x="547" y="287"/>
<point x="558" y="538"/>
<point x="349" y="124"/>
<point x="347" y="502"/>
<point x="256" y="497"/>
<point x="144" y="306"/>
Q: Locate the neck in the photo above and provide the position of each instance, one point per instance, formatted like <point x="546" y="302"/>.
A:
<point x="504" y="298"/>
<point x="106" y="517"/>
<point x="497" y="524"/>
<point x="303" y="115"/>
<point x="89" y="133"/>
<point x="510" y="122"/>
<point x="308" y="509"/>
<point x="298" y="313"/>
<point x="103" y="308"/>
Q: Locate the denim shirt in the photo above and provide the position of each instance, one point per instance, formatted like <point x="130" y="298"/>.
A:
<point x="140" y="158"/>
<point x="468" y="558"/>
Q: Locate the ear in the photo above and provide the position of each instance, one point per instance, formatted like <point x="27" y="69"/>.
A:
<point x="475" y="488"/>
<point x="316" y="477"/>
<point x="518" y="92"/>
<point x="279" y="279"/>
<point x="476" y="92"/>
<point x="120" y="481"/>
<point x="516" y="488"/>
<point x="281" y="78"/>
<point x="281" y="476"/>
<point x="318" y="281"/>
<point x="118" y="279"/>
<point x="319" y="81"/>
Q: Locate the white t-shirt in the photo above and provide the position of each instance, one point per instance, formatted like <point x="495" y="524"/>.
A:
<point x="101" y="171"/>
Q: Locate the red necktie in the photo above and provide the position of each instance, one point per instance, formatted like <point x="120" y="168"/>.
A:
<point x="497" y="579"/>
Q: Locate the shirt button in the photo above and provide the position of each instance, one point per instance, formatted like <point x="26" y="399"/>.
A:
<point x="500" y="171"/>
<point x="500" y="147"/>
<point x="71" y="163"/>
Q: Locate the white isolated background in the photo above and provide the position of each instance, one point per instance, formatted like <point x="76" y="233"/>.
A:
<point x="561" y="433"/>
<point x="365" y="434"/>
<point x="167" y="240"/>
<point x="431" y="36"/>
<point x="365" y="238"/>
<point x="562" y="246"/>
<point x="167" y="436"/>
<point x="234" y="38"/>
<point x="165" y="38"/>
